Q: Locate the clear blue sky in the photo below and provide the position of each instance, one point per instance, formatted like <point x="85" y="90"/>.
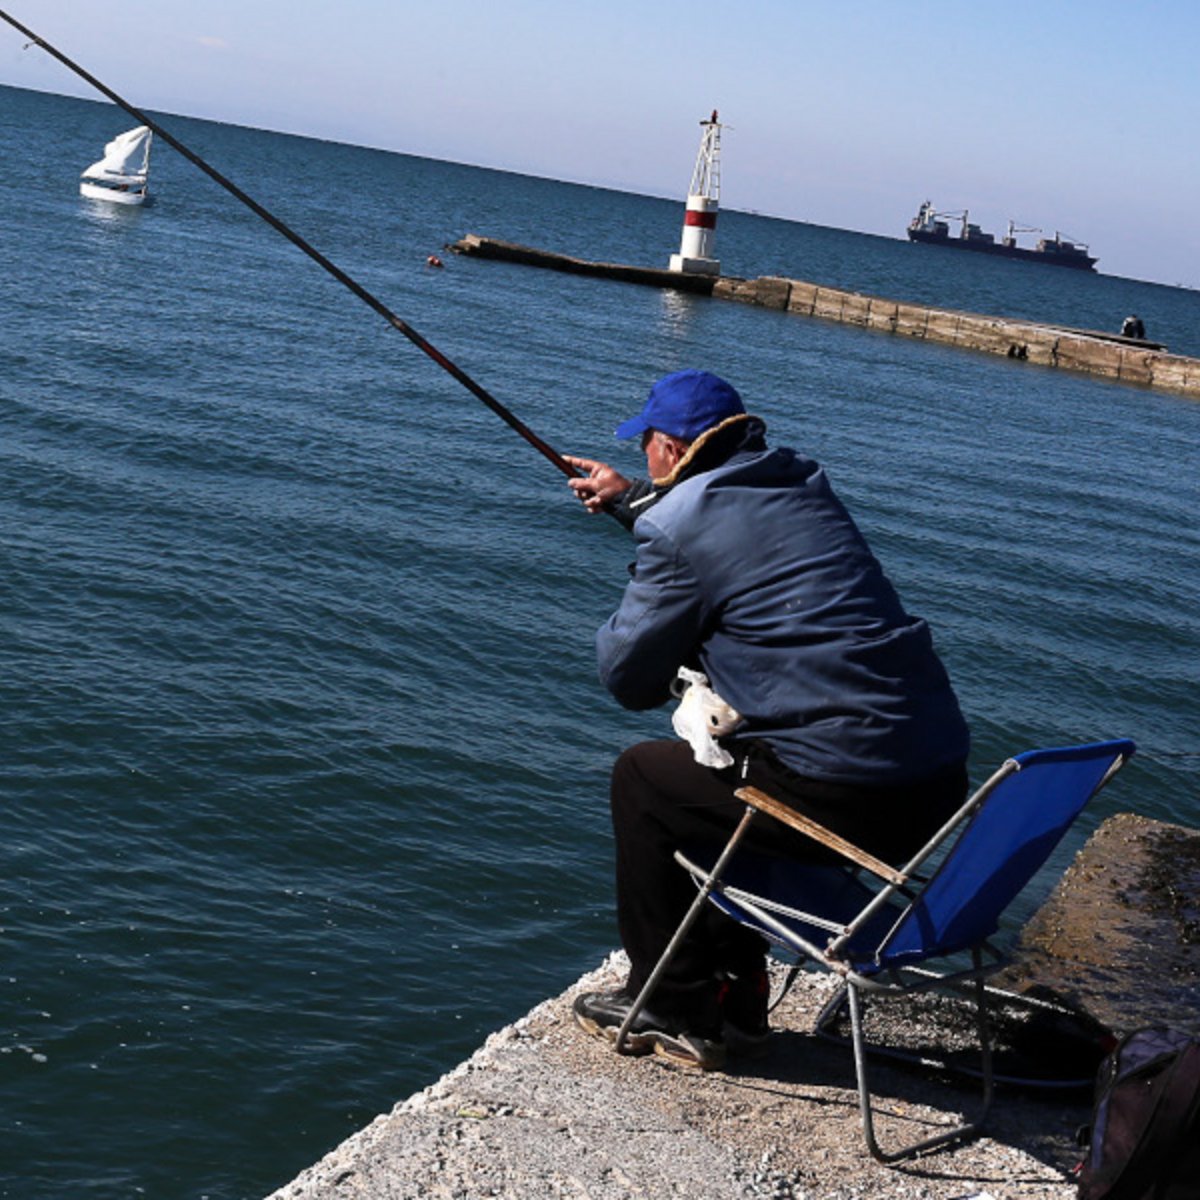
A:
<point x="1070" y="115"/>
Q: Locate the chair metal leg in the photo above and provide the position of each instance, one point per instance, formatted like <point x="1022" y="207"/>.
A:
<point x="985" y="1041"/>
<point x="962" y="1132"/>
<point x="685" y="926"/>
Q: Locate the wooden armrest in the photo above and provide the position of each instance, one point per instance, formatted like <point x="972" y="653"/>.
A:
<point x="810" y="828"/>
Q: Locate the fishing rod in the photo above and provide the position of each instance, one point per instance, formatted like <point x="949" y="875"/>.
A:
<point x="480" y="392"/>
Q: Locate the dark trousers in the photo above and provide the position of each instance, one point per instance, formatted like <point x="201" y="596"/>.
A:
<point x="663" y="800"/>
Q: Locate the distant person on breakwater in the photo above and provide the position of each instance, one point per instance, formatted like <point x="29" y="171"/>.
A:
<point x="1133" y="328"/>
<point x="750" y="570"/>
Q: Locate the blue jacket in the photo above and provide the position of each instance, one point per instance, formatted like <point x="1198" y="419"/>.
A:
<point x="750" y="569"/>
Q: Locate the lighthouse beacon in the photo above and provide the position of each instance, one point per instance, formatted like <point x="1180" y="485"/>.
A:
<point x="700" y="218"/>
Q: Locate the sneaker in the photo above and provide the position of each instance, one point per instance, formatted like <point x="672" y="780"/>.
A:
<point x="743" y="1000"/>
<point x="602" y="1013"/>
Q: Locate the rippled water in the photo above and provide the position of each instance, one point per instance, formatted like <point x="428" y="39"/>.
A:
<point x="304" y="757"/>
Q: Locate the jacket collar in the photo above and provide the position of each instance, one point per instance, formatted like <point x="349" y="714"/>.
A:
<point x="715" y="446"/>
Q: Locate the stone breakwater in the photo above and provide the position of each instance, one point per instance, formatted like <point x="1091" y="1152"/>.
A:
<point x="1125" y="360"/>
<point x="540" y="1110"/>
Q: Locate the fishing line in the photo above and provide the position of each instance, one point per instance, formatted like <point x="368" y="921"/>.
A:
<point x="480" y="392"/>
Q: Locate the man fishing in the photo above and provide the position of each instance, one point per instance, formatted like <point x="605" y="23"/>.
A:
<point x="750" y="570"/>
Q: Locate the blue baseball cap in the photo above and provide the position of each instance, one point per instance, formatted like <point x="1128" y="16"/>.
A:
<point x="684" y="405"/>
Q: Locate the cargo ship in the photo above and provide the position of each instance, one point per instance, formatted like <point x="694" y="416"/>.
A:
<point x="933" y="228"/>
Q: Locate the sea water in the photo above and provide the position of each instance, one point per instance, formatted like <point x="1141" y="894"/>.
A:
<point x="304" y="756"/>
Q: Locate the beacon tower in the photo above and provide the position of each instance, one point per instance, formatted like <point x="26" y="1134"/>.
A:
<point x="700" y="217"/>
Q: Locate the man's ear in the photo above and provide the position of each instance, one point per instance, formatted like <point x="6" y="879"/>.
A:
<point x="678" y="448"/>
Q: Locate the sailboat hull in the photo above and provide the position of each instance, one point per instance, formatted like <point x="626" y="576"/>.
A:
<point x="114" y="195"/>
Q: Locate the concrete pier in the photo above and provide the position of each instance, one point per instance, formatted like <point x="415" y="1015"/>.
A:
<point x="481" y="247"/>
<point x="543" y="1111"/>
<point x="1110" y="356"/>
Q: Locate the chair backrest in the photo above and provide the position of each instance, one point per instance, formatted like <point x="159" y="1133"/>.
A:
<point x="1018" y="824"/>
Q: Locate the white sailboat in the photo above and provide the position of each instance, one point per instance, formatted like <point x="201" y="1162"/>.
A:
<point x="121" y="175"/>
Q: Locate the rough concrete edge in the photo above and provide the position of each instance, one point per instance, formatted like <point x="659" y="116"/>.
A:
<point x="502" y="1036"/>
<point x="332" y="1162"/>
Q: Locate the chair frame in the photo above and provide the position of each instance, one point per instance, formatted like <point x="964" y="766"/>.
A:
<point x="890" y="981"/>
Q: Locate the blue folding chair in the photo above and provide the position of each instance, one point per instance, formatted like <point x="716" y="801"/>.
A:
<point x="879" y="927"/>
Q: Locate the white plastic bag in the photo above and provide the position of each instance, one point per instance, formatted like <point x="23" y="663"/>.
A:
<point x="702" y="717"/>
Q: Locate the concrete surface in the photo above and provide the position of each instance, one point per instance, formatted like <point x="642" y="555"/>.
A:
<point x="542" y="1110"/>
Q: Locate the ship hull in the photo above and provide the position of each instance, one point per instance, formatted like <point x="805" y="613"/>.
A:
<point x="1078" y="262"/>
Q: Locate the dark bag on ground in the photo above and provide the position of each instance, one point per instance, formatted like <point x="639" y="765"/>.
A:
<point x="1145" y="1131"/>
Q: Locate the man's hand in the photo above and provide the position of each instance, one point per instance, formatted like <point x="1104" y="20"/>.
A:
<point x="600" y="485"/>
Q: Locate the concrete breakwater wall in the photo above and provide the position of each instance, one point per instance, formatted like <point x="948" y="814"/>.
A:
<point x="529" y="256"/>
<point x="1125" y="360"/>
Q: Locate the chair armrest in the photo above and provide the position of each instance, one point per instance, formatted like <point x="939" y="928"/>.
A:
<point x="810" y="828"/>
